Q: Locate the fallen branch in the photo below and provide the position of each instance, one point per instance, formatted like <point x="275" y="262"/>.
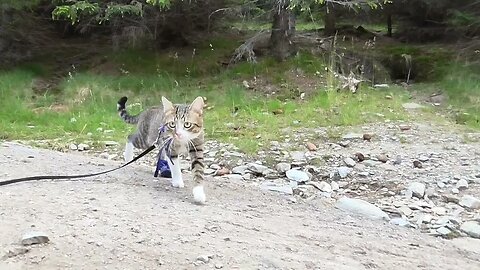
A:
<point x="349" y="82"/>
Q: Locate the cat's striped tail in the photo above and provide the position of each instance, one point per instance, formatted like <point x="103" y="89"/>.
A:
<point x="122" y="111"/>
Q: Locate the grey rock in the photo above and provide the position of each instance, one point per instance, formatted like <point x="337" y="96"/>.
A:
<point x="203" y="258"/>
<point x="397" y="161"/>
<point x="469" y="202"/>
<point x="370" y="163"/>
<point x="439" y="210"/>
<point x="209" y="171"/>
<point x="34" y="237"/>
<point x="412" y="106"/>
<point x="111" y="143"/>
<point x="423" y="158"/>
<point x="425" y="218"/>
<point x="270" y="174"/>
<point x="13" y="251"/>
<point x="325" y="187"/>
<point x="443" y="231"/>
<point x="361" y="207"/>
<point x="462" y="184"/>
<point x="234" y="177"/>
<point x="417" y="189"/>
<point x="382" y="158"/>
<point x="450" y="198"/>
<point x="218" y="266"/>
<point x="343" y="172"/>
<point x="440" y="184"/>
<point x="400" y="222"/>
<point x="405" y="210"/>
<point x="353" y="136"/>
<point x="297" y="175"/>
<point x="215" y="167"/>
<point x="472" y="228"/>
<point x="335" y="186"/>
<point x="283" y="167"/>
<point x="240" y="169"/>
<point x="298" y="156"/>
<point x="363" y="174"/>
<point x="73" y="146"/>
<point x="345" y="144"/>
<point x="257" y="168"/>
<point x="270" y="186"/>
<point x="443" y="220"/>
<point x="349" y="162"/>
<point x="455" y="191"/>
<point x="83" y="147"/>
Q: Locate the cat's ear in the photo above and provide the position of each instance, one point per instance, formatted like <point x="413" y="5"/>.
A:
<point x="167" y="105"/>
<point x="197" y="105"/>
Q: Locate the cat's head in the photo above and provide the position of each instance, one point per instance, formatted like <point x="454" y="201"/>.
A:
<point x="183" y="122"/>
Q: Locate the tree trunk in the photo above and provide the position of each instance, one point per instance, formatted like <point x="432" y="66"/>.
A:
<point x="389" y="21"/>
<point x="329" y="20"/>
<point x="283" y="31"/>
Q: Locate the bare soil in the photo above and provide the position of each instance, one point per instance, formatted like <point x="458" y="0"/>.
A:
<point x="129" y="220"/>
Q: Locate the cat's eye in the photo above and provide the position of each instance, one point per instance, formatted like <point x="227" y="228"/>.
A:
<point x="187" y="125"/>
<point x="171" y="125"/>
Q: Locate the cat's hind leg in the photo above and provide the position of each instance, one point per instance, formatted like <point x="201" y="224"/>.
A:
<point x="128" y="153"/>
<point x="133" y="141"/>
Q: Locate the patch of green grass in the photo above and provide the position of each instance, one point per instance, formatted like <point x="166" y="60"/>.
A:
<point x="85" y="108"/>
<point x="462" y="85"/>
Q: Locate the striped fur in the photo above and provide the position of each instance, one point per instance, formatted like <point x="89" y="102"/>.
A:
<point x="122" y="111"/>
<point x="183" y="123"/>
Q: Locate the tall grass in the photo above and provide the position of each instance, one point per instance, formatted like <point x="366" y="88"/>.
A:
<point x="85" y="107"/>
<point x="462" y="84"/>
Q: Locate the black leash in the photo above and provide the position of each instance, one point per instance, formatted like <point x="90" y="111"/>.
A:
<point x="43" y="177"/>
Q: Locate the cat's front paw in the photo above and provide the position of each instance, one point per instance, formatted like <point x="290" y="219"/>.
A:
<point x="178" y="184"/>
<point x="199" y="195"/>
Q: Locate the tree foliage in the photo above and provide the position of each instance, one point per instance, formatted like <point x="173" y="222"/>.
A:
<point x="75" y="10"/>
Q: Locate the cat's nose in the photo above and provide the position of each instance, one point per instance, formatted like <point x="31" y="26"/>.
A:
<point x="178" y="135"/>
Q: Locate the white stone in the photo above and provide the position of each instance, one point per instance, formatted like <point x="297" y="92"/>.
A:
<point x="400" y="222"/>
<point x="417" y="189"/>
<point x="83" y="147"/>
<point x="283" y="167"/>
<point x="257" y="168"/>
<point x="343" y="172"/>
<point x="335" y="186"/>
<point x="462" y="184"/>
<point x="405" y="210"/>
<point x="352" y="136"/>
<point x="325" y="187"/>
<point x="111" y="143"/>
<point x="34" y="237"/>
<point x="443" y="231"/>
<point x="470" y="202"/>
<point x="439" y="210"/>
<point x="297" y="175"/>
<point x="349" y="162"/>
<point x="240" y="169"/>
<point x="362" y="208"/>
<point x="472" y="228"/>
<point x="287" y="189"/>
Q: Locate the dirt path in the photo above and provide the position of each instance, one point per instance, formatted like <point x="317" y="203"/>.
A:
<point x="129" y="220"/>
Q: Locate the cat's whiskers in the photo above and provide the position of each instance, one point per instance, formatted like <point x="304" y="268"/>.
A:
<point x="190" y="142"/>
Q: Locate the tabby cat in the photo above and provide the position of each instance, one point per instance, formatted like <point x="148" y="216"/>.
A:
<point x="178" y="127"/>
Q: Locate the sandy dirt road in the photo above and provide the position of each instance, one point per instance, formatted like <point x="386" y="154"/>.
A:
<point x="129" y="220"/>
